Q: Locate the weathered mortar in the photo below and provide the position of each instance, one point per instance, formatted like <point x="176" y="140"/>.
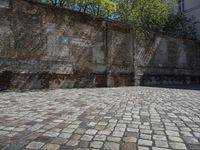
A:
<point x="48" y="47"/>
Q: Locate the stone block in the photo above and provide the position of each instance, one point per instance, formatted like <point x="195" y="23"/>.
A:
<point x="4" y="4"/>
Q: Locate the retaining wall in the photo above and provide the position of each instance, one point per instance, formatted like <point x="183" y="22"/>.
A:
<point x="49" y="47"/>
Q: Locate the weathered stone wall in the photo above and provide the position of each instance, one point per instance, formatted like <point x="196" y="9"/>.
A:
<point x="167" y="61"/>
<point x="49" y="47"/>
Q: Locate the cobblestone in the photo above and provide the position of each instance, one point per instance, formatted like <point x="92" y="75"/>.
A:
<point x="180" y="146"/>
<point x="35" y="145"/>
<point x="65" y="135"/>
<point x="91" y="132"/>
<point x="51" y="147"/>
<point x="112" y="118"/>
<point x="143" y="148"/>
<point x="130" y="139"/>
<point x="175" y="139"/>
<point x="96" y="144"/>
<point x="86" y="137"/>
<point x="145" y="136"/>
<point x="145" y="142"/>
<point x="72" y="142"/>
<point x="100" y="138"/>
<point x="51" y="134"/>
<point x="111" y="146"/>
<point x="161" y="144"/>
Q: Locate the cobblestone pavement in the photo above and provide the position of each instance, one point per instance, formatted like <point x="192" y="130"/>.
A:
<point x="127" y="118"/>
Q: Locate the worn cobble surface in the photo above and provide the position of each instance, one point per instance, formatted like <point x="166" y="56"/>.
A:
<point x="126" y="118"/>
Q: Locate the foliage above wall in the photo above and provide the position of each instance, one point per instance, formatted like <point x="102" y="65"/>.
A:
<point x="144" y="15"/>
<point x="101" y="8"/>
<point x="181" y="26"/>
<point x="148" y="14"/>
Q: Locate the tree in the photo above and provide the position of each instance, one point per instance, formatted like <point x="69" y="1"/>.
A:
<point x="101" y="8"/>
<point x="144" y="14"/>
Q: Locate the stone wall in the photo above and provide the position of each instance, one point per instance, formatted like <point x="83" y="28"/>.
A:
<point x="48" y="47"/>
<point x="167" y="61"/>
